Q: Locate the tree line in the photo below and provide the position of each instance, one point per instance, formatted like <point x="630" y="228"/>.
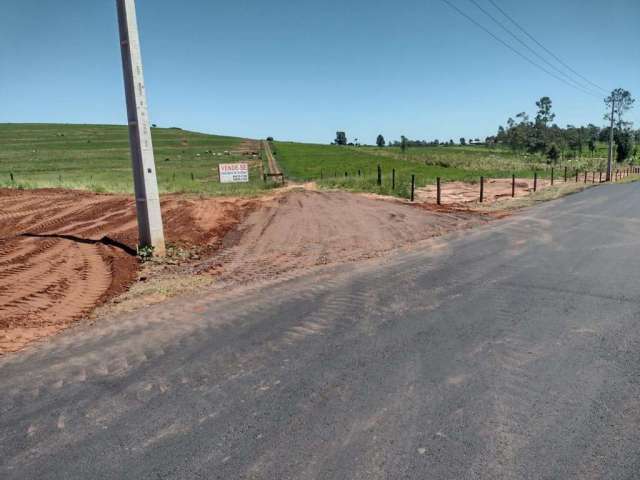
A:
<point x="540" y="135"/>
<point x="404" y="142"/>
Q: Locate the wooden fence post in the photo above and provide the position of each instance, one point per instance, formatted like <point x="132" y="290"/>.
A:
<point x="551" y="176"/>
<point x="393" y="179"/>
<point x="535" y="181"/>
<point x="379" y="175"/>
<point x="438" y="196"/>
<point x="413" y="186"/>
<point x="513" y="185"/>
<point x="481" y="189"/>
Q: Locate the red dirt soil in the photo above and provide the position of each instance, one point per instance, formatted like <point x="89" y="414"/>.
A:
<point x="300" y="230"/>
<point x="64" y="252"/>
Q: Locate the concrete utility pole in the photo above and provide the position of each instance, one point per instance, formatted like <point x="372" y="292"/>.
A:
<point x="144" y="169"/>
<point x="610" y="157"/>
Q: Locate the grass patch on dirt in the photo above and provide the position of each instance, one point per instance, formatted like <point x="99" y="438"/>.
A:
<point x="97" y="158"/>
<point x="157" y="283"/>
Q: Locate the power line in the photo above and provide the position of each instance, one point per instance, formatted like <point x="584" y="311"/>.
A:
<point x="523" y="43"/>
<point x="559" y="60"/>
<point x="517" y="52"/>
<point x="514" y="50"/>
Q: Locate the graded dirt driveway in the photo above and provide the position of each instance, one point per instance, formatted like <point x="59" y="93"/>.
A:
<point x="64" y="252"/>
<point x="307" y="228"/>
<point x="511" y="351"/>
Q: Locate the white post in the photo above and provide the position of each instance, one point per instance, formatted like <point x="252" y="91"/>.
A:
<point x="610" y="154"/>
<point x="144" y="170"/>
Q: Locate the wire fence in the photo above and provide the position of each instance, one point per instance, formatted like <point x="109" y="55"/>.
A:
<point x="405" y="186"/>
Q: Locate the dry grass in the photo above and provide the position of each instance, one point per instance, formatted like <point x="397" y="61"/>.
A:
<point x="156" y="283"/>
<point x="549" y="193"/>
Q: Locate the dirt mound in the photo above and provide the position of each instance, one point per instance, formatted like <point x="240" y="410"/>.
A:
<point x="63" y="252"/>
<point x="307" y="228"/>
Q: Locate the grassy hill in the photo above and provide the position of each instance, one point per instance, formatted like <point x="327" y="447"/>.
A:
<point x="96" y="157"/>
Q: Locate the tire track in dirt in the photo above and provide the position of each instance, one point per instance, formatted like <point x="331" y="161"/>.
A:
<point x="55" y="266"/>
<point x="271" y="160"/>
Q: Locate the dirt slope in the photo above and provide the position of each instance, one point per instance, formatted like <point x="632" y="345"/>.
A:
<point x="64" y="252"/>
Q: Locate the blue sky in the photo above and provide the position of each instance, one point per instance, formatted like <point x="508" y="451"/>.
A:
<point x="300" y="70"/>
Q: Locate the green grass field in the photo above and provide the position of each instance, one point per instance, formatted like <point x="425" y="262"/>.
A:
<point x="355" y="168"/>
<point x="97" y="158"/>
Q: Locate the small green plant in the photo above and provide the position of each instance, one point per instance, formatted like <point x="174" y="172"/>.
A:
<point x="145" y="253"/>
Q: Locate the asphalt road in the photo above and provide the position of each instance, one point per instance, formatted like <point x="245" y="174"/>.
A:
<point x="510" y="351"/>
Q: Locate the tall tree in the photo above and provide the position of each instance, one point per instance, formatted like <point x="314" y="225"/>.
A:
<point x="380" y="141"/>
<point x="544" y="116"/>
<point x="618" y="103"/>
<point x="341" y="138"/>
<point x="403" y="143"/>
<point x="463" y="141"/>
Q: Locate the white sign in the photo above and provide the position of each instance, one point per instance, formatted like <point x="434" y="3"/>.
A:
<point x="233" y="172"/>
